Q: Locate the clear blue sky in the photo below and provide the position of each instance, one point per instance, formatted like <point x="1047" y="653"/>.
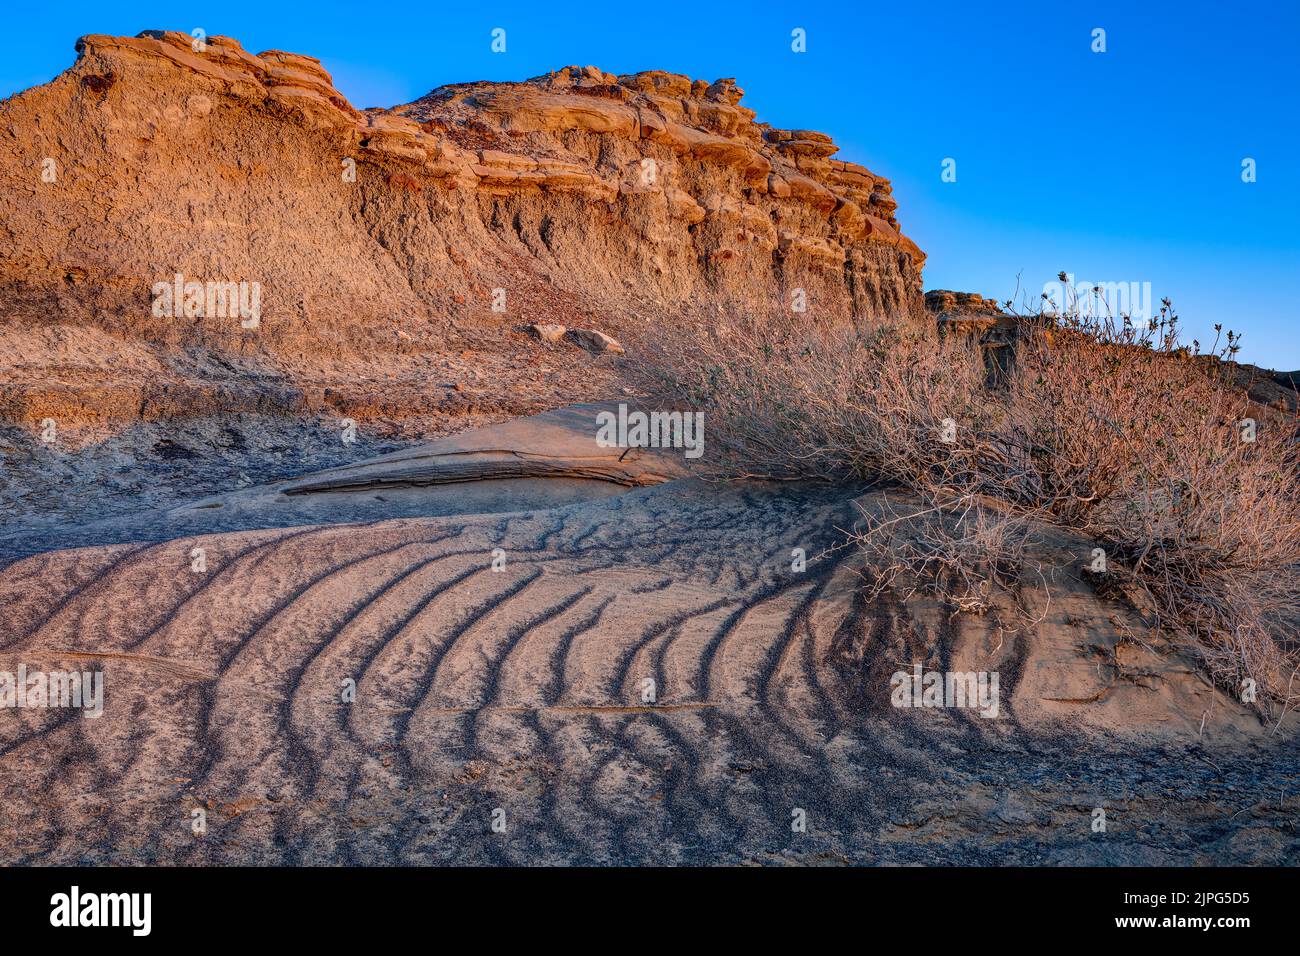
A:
<point x="1123" y="166"/>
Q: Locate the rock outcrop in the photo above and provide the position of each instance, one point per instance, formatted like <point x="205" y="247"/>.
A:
<point x="187" y="226"/>
<point x="969" y="314"/>
<point x="947" y="306"/>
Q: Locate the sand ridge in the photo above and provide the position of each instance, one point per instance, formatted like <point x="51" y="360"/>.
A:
<point x="502" y="662"/>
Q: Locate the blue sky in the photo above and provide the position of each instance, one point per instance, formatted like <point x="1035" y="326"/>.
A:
<point x="1122" y="166"/>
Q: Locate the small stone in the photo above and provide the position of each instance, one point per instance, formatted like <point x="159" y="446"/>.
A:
<point x="547" y="332"/>
<point x="593" y="341"/>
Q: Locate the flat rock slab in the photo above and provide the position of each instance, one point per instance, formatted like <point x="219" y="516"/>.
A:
<point x="536" y="462"/>
<point x="555" y="444"/>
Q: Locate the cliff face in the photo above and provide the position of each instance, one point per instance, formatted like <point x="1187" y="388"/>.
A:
<point x="656" y="189"/>
<point x="367" y="241"/>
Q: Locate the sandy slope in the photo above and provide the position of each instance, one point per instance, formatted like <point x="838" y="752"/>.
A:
<point x="522" y="689"/>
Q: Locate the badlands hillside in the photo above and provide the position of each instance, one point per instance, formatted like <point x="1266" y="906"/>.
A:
<point x="364" y="587"/>
<point x="378" y="237"/>
<point x="399" y="256"/>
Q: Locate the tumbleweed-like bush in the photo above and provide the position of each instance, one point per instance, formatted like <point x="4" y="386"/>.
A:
<point x="1113" y="431"/>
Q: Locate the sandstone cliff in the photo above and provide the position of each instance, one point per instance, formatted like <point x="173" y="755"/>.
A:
<point x="376" y="240"/>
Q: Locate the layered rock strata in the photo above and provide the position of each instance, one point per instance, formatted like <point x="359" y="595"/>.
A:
<point x="189" y="228"/>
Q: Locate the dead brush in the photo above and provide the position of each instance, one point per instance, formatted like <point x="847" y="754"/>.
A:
<point x="964" y="552"/>
<point x="1141" y="446"/>
<point x="1103" y="427"/>
<point x="816" y="403"/>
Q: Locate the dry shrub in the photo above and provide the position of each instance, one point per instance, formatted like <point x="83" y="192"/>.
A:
<point x="962" y="551"/>
<point x="825" y="404"/>
<point x="1140" y="447"/>
<point x="1121" y="436"/>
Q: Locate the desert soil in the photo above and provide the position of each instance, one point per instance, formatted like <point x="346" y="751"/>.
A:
<point x="517" y="696"/>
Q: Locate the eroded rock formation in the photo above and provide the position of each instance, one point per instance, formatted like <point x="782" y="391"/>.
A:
<point x="374" y="239"/>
